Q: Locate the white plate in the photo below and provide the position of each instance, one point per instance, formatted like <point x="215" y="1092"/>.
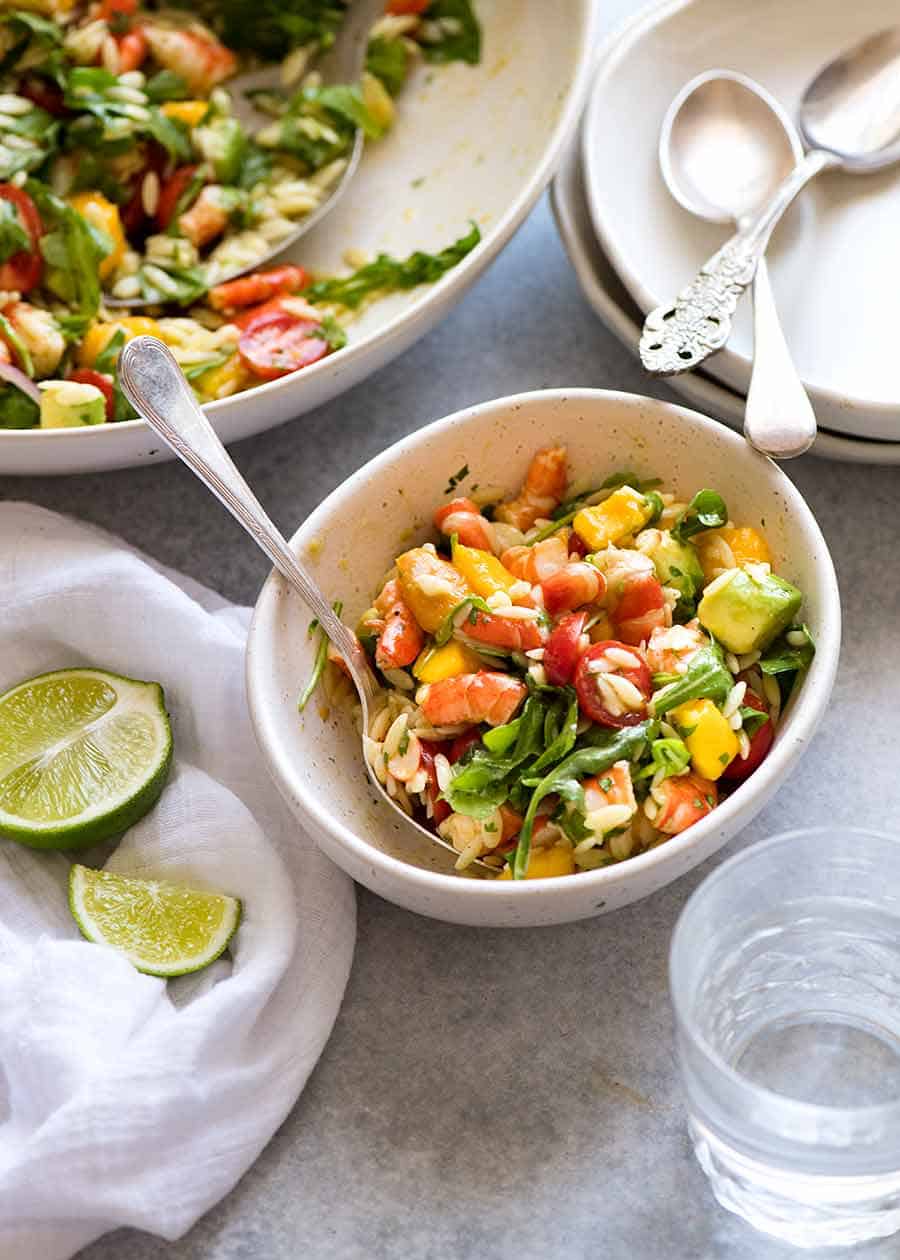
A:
<point x="607" y="295"/>
<point x="832" y="259"/>
<point x="470" y="143"/>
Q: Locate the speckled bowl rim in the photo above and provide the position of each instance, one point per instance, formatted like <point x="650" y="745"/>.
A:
<point x="806" y="711"/>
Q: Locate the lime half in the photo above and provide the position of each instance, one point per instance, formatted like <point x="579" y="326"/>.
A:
<point x="164" y="929"/>
<point x="83" y="755"/>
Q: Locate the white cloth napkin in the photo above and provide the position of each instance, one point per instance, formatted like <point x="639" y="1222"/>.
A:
<point x="125" y="1100"/>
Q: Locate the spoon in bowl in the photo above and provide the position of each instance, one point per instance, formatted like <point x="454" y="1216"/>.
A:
<point x="156" y="387"/>
<point x="725" y="144"/>
<point x="342" y="63"/>
<point x="849" y="118"/>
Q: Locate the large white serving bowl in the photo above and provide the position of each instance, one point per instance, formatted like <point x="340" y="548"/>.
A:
<point x="471" y="143"/>
<point x="351" y="540"/>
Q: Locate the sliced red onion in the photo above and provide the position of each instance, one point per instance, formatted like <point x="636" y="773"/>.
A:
<point x="17" y="377"/>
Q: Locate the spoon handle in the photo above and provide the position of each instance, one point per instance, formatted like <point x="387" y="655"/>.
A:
<point x="681" y="334"/>
<point x="778" y="419"/>
<point x="154" y="383"/>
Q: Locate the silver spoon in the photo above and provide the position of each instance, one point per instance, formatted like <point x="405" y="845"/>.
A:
<point x="157" y="389"/>
<point x="724" y="145"/>
<point x="850" y="119"/>
<point x="343" y="63"/>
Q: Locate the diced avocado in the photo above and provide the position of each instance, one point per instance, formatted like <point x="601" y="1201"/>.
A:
<point x="222" y="143"/>
<point x="69" y="404"/>
<point x="677" y="565"/>
<point x="747" y="608"/>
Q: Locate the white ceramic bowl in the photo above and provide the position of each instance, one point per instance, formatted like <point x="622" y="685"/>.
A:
<point x="471" y="142"/>
<point x="350" y="541"/>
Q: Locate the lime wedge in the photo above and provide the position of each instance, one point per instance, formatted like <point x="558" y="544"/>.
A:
<point x="164" y="929"/>
<point x="83" y="755"/>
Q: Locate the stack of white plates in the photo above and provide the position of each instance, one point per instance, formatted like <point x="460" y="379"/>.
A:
<point x="835" y="261"/>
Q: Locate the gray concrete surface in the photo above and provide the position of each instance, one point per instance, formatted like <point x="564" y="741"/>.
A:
<point x="491" y="1094"/>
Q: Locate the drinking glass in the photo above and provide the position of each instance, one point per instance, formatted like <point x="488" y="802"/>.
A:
<point x="785" y="979"/>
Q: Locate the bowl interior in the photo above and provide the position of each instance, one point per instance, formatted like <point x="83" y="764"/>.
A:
<point x="351" y="540"/>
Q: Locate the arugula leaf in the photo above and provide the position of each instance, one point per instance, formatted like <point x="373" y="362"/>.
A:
<point x="668" y="755"/>
<point x="170" y="133"/>
<point x="73" y="250"/>
<point x="166" y="85"/>
<point x="628" y="477"/>
<point x="706" y="510"/>
<point x="256" y="165"/>
<point x="388" y="275"/>
<point x="563" y="741"/>
<point x="706" y="676"/>
<point x="786" y="658"/>
<point x="319" y="662"/>
<point x="604" y="750"/>
<point x="460" y="34"/>
<point x="183" y="285"/>
<point x="752" y="720"/>
<point x="485" y="781"/>
<point x="17" y="345"/>
<point x="13" y="237"/>
<point x="387" y="60"/>
<point x="272" y="28"/>
<point x="17" y="410"/>
<point x="346" y="101"/>
<point x="445" y="630"/>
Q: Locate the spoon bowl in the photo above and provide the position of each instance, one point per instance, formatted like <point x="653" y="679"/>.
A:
<point x="342" y="63"/>
<point x="158" y="390"/>
<point x="852" y="106"/>
<point x="724" y="145"/>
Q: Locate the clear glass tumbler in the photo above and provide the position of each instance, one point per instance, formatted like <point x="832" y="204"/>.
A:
<point x="785" y="977"/>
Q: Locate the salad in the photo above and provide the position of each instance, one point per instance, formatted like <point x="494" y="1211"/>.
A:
<point x="126" y="176"/>
<point x="572" y="678"/>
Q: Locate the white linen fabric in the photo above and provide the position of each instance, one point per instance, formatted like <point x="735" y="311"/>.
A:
<point x="125" y="1100"/>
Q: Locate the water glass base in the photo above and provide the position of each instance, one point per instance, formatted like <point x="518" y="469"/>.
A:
<point x="802" y="1209"/>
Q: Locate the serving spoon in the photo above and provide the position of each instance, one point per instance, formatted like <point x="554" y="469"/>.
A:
<point x="724" y="145"/>
<point x="849" y="118"/>
<point x="158" y="390"/>
<point x="342" y="63"/>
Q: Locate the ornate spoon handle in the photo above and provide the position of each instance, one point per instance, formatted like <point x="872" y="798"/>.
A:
<point x="681" y="334"/>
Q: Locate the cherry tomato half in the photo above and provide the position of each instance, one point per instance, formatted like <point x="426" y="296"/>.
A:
<point x="170" y="194"/>
<point x="561" y="652"/>
<point x="641" y="608"/>
<point x="277" y="342"/>
<point x="591" y="699"/>
<point x="87" y="376"/>
<point x="760" y="743"/>
<point x="462" y="744"/>
<point x="398" y="8"/>
<point x="23" y="270"/>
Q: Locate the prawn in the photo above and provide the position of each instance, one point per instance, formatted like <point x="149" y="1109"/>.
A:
<point x="572" y="586"/>
<point x="535" y="564"/>
<point x="634" y="595"/>
<point x="206" y="219"/>
<point x="669" y="649"/>
<point x="614" y="787"/>
<point x="463" y="518"/>
<point x="487" y="696"/>
<point x="40" y="335"/>
<point x="544" y="488"/>
<point x="257" y="288"/>
<point x="198" y="59"/>
<point x="511" y="634"/>
<point x="401" y="639"/>
<point x="682" y="800"/>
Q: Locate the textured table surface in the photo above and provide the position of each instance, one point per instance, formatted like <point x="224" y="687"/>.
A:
<point x="492" y="1094"/>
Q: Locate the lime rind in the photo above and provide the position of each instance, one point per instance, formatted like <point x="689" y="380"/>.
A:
<point x="84" y="740"/>
<point x="163" y="929"/>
